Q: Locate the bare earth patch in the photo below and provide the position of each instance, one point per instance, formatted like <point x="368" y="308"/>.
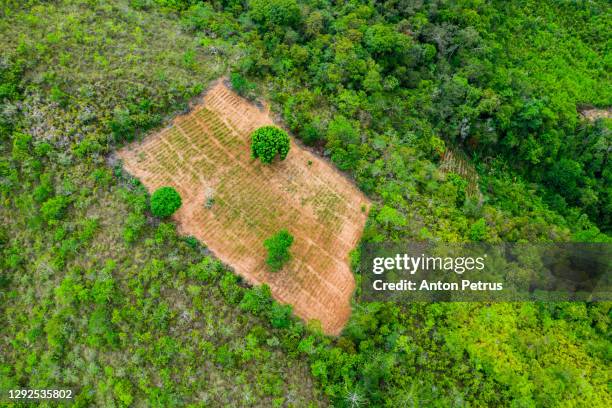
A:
<point x="233" y="203"/>
<point x="595" y="113"/>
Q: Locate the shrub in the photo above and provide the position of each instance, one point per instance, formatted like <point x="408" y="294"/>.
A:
<point x="42" y="192"/>
<point x="280" y="316"/>
<point x="257" y="299"/>
<point x="199" y="17"/>
<point x="134" y="224"/>
<point x="54" y="208"/>
<point x="21" y="146"/>
<point x="241" y="85"/>
<point x="165" y="201"/>
<point x="123" y="392"/>
<point x="192" y="242"/>
<point x="461" y="185"/>
<point x="478" y="230"/>
<point x="278" y="249"/>
<point x="267" y="142"/>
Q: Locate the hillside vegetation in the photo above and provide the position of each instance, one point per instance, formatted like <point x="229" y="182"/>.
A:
<point x="95" y="294"/>
<point x="98" y="296"/>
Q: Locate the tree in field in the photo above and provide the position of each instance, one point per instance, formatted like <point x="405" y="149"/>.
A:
<point x="278" y="249"/>
<point x="267" y="142"/>
<point x="165" y="201"/>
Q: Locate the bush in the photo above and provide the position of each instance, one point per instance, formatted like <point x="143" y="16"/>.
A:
<point x="165" y="201"/>
<point x="21" y="146"/>
<point x="267" y="142"/>
<point x="278" y="249"/>
<point x="280" y="316"/>
<point x="257" y="299"/>
<point x="478" y="230"/>
<point x="54" y="209"/>
<point x="198" y="17"/>
<point x="241" y="85"/>
<point x="134" y="224"/>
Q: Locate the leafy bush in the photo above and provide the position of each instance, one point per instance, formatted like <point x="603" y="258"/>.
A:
<point x="478" y="230"/>
<point x="278" y="249"/>
<point x="165" y="201"/>
<point x="54" y="208"/>
<point x="127" y="122"/>
<point x="267" y="142"/>
<point x="21" y="146"/>
<point x="241" y="85"/>
<point x="257" y="300"/>
<point x="280" y="316"/>
<point x="461" y="184"/>
<point x="198" y="17"/>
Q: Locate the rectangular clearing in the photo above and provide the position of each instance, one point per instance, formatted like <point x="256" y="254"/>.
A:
<point x="206" y="154"/>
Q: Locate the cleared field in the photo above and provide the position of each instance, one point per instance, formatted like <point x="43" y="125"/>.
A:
<point x="206" y="155"/>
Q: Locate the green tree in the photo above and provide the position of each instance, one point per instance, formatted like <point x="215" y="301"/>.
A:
<point x="278" y="249"/>
<point x="267" y="142"/>
<point x="257" y="299"/>
<point x="54" y="208"/>
<point x="241" y="85"/>
<point x="390" y="217"/>
<point x="280" y="316"/>
<point x="380" y="39"/>
<point x="461" y="184"/>
<point x="21" y="146"/>
<point x="478" y="230"/>
<point x="343" y="142"/>
<point x="275" y="13"/>
<point x="564" y="176"/>
<point x="165" y="201"/>
<point x="123" y="390"/>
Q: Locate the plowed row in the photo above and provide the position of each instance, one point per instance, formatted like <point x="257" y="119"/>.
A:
<point x="453" y="162"/>
<point x="206" y="153"/>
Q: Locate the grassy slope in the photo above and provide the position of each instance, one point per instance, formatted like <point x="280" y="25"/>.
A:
<point x="102" y="299"/>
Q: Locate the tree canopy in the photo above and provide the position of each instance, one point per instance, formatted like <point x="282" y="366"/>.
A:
<point x="382" y="89"/>
<point x="269" y="141"/>
<point x="165" y="201"/>
<point x="278" y="249"/>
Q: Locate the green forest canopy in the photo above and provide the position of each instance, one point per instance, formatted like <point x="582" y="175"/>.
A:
<point x="382" y="89"/>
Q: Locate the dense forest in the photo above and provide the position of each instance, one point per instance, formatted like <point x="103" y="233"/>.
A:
<point x="98" y="295"/>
